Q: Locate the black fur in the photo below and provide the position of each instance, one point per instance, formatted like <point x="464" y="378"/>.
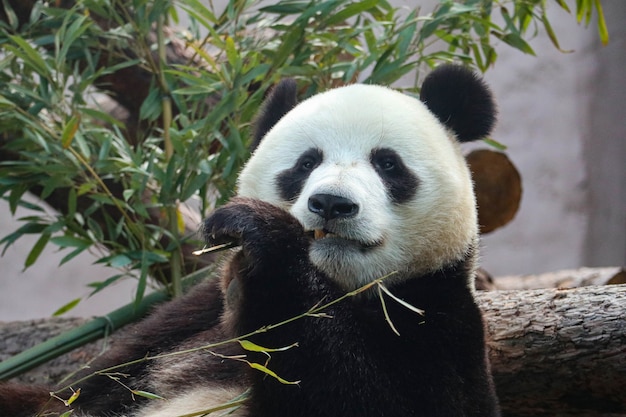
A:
<point x="399" y="180"/>
<point x="461" y="101"/>
<point x="350" y="363"/>
<point x="280" y="100"/>
<point x="291" y="181"/>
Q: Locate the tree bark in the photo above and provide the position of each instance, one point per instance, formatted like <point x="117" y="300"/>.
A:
<point x="554" y="352"/>
<point x="570" y="278"/>
<point x="558" y="352"/>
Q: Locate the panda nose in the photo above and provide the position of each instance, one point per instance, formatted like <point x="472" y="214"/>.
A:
<point x="331" y="206"/>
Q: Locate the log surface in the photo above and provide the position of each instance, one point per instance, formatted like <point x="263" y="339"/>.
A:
<point x="558" y="351"/>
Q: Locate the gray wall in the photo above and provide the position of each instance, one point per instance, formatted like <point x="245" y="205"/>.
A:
<point x="562" y="117"/>
<point x="605" y="148"/>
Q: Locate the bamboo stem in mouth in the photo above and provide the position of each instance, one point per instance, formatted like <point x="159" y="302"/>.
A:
<point x="216" y="248"/>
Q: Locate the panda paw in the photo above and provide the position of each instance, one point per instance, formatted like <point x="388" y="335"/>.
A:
<point x="266" y="233"/>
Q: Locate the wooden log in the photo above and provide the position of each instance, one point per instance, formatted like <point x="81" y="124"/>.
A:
<point x="558" y="352"/>
<point x="570" y="278"/>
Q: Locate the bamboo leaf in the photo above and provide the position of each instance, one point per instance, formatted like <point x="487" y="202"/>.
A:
<point x="147" y="394"/>
<point x="231" y="52"/>
<point x="67" y="307"/>
<point x="70" y="242"/>
<point x="73" y="398"/>
<point x="271" y="373"/>
<point x="548" y="27"/>
<point x="252" y="347"/>
<point x="30" y="55"/>
<point x="36" y="250"/>
<point x="143" y="279"/>
<point x="99" y="286"/>
<point x="69" y="131"/>
<point x="492" y="142"/>
<point x="72" y="255"/>
<point x="518" y="43"/>
<point x="10" y="14"/>
<point x="349" y="11"/>
<point x="602" y="29"/>
<point x="28" y="228"/>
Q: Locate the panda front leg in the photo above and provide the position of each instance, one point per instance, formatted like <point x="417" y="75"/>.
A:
<point x="268" y="279"/>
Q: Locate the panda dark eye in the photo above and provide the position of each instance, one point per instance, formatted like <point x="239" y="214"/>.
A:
<point x="387" y="164"/>
<point x="308" y="164"/>
<point x="385" y="161"/>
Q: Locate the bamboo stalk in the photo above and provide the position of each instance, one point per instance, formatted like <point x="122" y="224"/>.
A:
<point x="88" y="332"/>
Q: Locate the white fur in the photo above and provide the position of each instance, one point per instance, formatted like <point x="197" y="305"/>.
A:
<point x="194" y="401"/>
<point x="434" y="228"/>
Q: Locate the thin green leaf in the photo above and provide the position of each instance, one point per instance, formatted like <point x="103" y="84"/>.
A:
<point x="252" y="347"/>
<point x="67" y="307"/>
<point x="10" y="15"/>
<point x="69" y="131"/>
<point x="602" y="29"/>
<point x="73" y="398"/>
<point x="28" y="228"/>
<point x="99" y="286"/>
<point x="518" y="43"/>
<point x="495" y="144"/>
<point x="231" y="52"/>
<point x="70" y="242"/>
<point x="271" y="373"/>
<point x="31" y="56"/>
<point x="4" y="102"/>
<point x="72" y="255"/>
<point x="147" y="394"/>
<point x="36" y="250"/>
<point x="71" y="202"/>
<point x="143" y="279"/>
<point x="563" y="5"/>
<point x="349" y="11"/>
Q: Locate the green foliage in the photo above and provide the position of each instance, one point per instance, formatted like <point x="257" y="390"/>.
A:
<point x="118" y="190"/>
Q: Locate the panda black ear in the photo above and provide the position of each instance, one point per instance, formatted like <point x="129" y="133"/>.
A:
<point x="280" y="100"/>
<point x="461" y="101"/>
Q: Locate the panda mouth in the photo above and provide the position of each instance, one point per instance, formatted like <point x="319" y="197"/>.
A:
<point x="324" y="234"/>
<point x="320" y="234"/>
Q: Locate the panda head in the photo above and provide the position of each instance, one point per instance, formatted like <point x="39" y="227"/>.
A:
<point x="375" y="176"/>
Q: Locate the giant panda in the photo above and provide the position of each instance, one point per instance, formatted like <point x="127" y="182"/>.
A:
<point x="358" y="194"/>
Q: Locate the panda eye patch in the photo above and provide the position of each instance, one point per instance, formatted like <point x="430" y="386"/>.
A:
<point x="308" y="163"/>
<point x="290" y="181"/>
<point x="401" y="183"/>
<point x="387" y="163"/>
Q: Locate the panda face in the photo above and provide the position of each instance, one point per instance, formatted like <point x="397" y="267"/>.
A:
<point x="375" y="178"/>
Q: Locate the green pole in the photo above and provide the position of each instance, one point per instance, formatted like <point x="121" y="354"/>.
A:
<point x="88" y="332"/>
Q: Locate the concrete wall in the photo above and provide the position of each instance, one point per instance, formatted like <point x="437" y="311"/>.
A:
<point x="605" y="148"/>
<point x="562" y="117"/>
